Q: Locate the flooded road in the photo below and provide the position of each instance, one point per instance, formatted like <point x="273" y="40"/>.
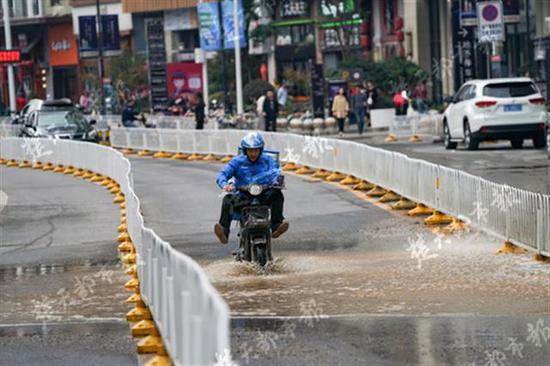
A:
<point x="350" y="285"/>
<point x="62" y="298"/>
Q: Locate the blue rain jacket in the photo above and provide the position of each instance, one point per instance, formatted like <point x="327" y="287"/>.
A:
<point x="265" y="170"/>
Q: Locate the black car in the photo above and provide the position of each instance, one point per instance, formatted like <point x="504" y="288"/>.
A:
<point x="59" y="119"/>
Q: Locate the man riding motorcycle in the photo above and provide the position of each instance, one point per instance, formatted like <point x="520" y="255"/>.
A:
<point x="252" y="166"/>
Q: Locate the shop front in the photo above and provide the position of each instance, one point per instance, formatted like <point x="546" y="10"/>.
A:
<point x="63" y="61"/>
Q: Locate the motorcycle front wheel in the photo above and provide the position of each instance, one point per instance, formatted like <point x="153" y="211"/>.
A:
<point x="260" y="254"/>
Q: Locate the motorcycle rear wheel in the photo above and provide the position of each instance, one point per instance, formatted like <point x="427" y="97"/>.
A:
<point x="260" y="254"/>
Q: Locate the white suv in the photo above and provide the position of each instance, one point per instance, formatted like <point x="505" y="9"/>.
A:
<point x="506" y="109"/>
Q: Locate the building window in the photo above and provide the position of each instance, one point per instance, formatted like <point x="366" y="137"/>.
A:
<point x="35" y="7"/>
<point x="389" y="14"/>
<point x="295" y="35"/>
<point x="55" y="2"/>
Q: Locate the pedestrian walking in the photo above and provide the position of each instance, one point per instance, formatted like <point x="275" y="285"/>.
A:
<point x="420" y="94"/>
<point x="359" y="103"/>
<point x="282" y="95"/>
<point x="340" y="110"/>
<point x="260" y="111"/>
<point x="199" y="111"/>
<point x="372" y="96"/>
<point x="270" y="110"/>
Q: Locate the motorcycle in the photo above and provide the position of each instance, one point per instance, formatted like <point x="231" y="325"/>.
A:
<point x="255" y="226"/>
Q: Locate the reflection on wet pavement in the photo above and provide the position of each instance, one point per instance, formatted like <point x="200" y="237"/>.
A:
<point x="46" y="293"/>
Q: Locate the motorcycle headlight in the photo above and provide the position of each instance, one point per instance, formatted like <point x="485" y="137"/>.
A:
<point x="255" y="189"/>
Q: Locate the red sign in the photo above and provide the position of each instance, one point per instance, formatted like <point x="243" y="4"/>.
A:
<point x="184" y="78"/>
<point x="10" y="56"/>
<point x="62" y="45"/>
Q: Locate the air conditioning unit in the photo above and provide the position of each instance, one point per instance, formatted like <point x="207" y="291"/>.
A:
<point x="547" y="26"/>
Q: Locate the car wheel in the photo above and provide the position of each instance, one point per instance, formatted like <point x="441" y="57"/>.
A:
<point x="539" y="141"/>
<point x="449" y="145"/>
<point x="517" y="143"/>
<point x="470" y="141"/>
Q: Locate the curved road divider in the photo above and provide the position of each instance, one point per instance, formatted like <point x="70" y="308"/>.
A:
<point x="178" y="314"/>
<point x="447" y="196"/>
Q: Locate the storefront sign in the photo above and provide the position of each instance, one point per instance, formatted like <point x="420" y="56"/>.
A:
<point x="293" y="8"/>
<point x="62" y="45"/>
<point x="110" y="34"/>
<point x="184" y="78"/>
<point x="209" y="26"/>
<point x="318" y="91"/>
<point x="491" y="26"/>
<point x="87" y="33"/>
<point x="10" y="56"/>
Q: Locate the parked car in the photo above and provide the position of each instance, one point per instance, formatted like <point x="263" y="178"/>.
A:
<point x="59" y="119"/>
<point x="496" y="109"/>
<point x="32" y="105"/>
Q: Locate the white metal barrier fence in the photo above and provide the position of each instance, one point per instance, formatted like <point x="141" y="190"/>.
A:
<point x="512" y="214"/>
<point x="192" y="318"/>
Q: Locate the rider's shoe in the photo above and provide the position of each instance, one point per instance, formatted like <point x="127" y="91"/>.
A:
<point x="221" y="232"/>
<point x="280" y="230"/>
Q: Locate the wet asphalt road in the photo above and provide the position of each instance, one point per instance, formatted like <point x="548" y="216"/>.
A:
<point x="345" y="290"/>
<point x="61" y="295"/>
<point x="526" y="168"/>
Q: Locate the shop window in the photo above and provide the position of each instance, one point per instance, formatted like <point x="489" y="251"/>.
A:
<point x="348" y="35"/>
<point x="331" y="9"/>
<point x="185" y="40"/>
<point x="389" y="13"/>
<point x="295" y="35"/>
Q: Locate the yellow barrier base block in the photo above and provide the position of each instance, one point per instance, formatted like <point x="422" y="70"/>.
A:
<point x="180" y="156"/>
<point x="149" y="344"/>
<point x="131" y="271"/>
<point x="119" y="198"/>
<point x="438" y="218"/>
<point x="97" y="178"/>
<point x="510" y="248"/>
<point x="403" y="204"/>
<point x="159" y="361"/>
<point x="420" y="209"/>
<point x="111" y="184"/>
<point x="88" y="175"/>
<point x="304" y="170"/>
<point x="321" y="173"/>
<point x="48" y="167"/>
<point x="11" y="163"/>
<point x="128" y="151"/>
<point x="136" y="300"/>
<point x="122" y="228"/>
<point x="363" y="186"/>
<point x="454" y="226"/>
<point x="389" y="197"/>
<point x="210" y="157"/>
<point x="123" y="205"/>
<point x="376" y="192"/>
<point x="335" y="177"/>
<point x="123" y="237"/>
<point x="122" y="215"/>
<point x="195" y="157"/>
<point x="69" y="170"/>
<point x="349" y="180"/>
<point x="132" y="285"/>
<point x="415" y="139"/>
<point x="138" y="314"/>
<point x="115" y="189"/>
<point x="129" y="259"/>
<point x="145" y="153"/>
<point x="24" y="164"/>
<point x="144" y="328"/>
<point x="59" y="169"/>
<point x="126" y="247"/>
<point x="290" y="166"/>
<point x="37" y="165"/>
<point x="541" y="258"/>
<point x="226" y="159"/>
<point x="79" y="173"/>
<point x="161" y="155"/>
<point x="3" y="161"/>
<point x="391" y="138"/>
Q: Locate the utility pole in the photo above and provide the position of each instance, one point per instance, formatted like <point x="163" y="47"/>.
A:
<point x="238" y="74"/>
<point x="100" y="70"/>
<point x="7" y="33"/>
<point x="226" y="100"/>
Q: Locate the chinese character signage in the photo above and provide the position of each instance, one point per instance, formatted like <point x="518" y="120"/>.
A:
<point x="157" y="64"/>
<point x="87" y="33"/>
<point x="209" y="26"/>
<point x="109" y="33"/>
<point x="10" y="56"/>
<point x="491" y="25"/>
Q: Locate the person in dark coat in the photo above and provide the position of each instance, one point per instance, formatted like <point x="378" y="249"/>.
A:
<point x="199" y="111"/>
<point x="271" y="110"/>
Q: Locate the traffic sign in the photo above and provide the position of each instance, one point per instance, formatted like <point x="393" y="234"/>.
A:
<point x="490" y="21"/>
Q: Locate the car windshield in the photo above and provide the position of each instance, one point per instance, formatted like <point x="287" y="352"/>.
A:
<point x="59" y="118"/>
<point x="510" y="90"/>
